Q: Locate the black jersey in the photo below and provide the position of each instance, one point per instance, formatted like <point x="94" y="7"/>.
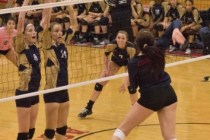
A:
<point x="173" y="12"/>
<point x="80" y="7"/>
<point x="56" y="66"/>
<point x="157" y="11"/>
<point x="62" y="57"/>
<point x="59" y="8"/>
<point x="33" y="57"/>
<point x="120" y="56"/>
<point x="123" y="7"/>
<point x="190" y="17"/>
<point x="139" y="75"/>
<point x="95" y="8"/>
<point x="29" y="65"/>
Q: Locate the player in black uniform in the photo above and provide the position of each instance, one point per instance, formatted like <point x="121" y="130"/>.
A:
<point x="121" y="13"/>
<point x="173" y="11"/>
<point x="29" y="77"/>
<point x="56" y="71"/>
<point x="158" y="14"/>
<point x="122" y="51"/>
<point x="146" y="71"/>
<point x="80" y="11"/>
<point x="94" y="16"/>
<point x="191" y="23"/>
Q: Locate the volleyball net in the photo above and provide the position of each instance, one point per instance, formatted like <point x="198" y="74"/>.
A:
<point x="85" y="62"/>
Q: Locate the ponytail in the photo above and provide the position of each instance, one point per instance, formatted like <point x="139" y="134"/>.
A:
<point x="145" y="44"/>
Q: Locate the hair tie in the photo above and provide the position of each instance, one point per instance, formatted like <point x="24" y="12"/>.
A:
<point x="145" y="45"/>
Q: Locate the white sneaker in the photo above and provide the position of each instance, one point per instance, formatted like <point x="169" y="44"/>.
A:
<point x="188" y="51"/>
<point x="172" y="48"/>
<point x="104" y="42"/>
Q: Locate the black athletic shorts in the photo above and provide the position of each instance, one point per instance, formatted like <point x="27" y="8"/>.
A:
<point x="56" y="97"/>
<point x="26" y="102"/>
<point x="158" y="97"/>
<point x="4" y="52"/>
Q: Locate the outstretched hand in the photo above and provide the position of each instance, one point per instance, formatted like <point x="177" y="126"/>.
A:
<point x="123" y="88"/>
<point x="177" y="37"/>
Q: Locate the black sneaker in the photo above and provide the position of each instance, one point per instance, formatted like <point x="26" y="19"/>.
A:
<point x="85" y="113"/>
<point x="96" y="42"/>
<point x="83" y="40"/>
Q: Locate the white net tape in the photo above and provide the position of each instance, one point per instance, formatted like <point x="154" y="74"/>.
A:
<point x="45" y="5"/>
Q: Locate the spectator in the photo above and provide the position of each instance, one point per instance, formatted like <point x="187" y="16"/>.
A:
<point x="191" y="23"/>
<point x="205" y="38"/>
<point x="121" y="13"/>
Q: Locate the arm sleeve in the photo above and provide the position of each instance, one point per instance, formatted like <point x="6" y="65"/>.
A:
<point x="132" y="77"/>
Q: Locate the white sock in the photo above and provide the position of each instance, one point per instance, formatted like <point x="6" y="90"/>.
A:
<point x="118" y="133"/>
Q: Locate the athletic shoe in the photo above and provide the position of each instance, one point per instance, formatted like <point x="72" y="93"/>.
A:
<point x="172" y="48"/>
<point x="104" y="42"/>
<point x="95" y="42"/>
<point x="188" y="51"/>
<point x="85" y="113"/>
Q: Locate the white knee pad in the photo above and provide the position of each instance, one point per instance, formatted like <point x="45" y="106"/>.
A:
<point x="173" y="139"/>
<point x="118" y="133"/>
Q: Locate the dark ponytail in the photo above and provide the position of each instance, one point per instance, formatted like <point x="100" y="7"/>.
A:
<point x="145" y="44"/>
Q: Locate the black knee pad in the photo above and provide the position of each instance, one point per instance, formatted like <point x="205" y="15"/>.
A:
<point x="61" y="130"/>
<point x="96" y="23"/>
<point x="49" y="133"/>
<point x="31" y="133"/>
<point x="69" y="31"/>
<point x="79" y="21"/>
<point x="66" y="19"/>
<point x="83" y="22"/>
<point x="104" y="21"/>
<point x="98" y="87"/>
<point x="131" y="91"/>
<point x="59" y="20"/>
<point x="22" y="136"/>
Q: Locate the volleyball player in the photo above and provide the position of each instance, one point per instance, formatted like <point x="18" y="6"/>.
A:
<point x="56" y="71"/>
<point x="29" y="77"/>
<point x="146" y="71"/>
<point x="122" y="51"/>
<point x="7" y="33"/>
